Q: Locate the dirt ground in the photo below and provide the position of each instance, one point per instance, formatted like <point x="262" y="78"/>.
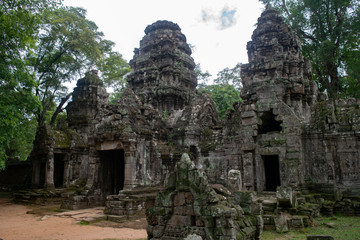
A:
<point x="19" y="222"/>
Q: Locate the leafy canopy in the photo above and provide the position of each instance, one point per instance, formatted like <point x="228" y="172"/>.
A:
<point x="70" y="45"/>
<point x="225" y="90"/>
<point x="19" y="22"/>
<point x="44" y="45"/>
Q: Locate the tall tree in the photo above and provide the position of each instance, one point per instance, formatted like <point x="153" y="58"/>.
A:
<point x="43" y="46"/>
<point x="69" y="45"/>
<point x="330" y="32"/>
<point x="19" y="21"/>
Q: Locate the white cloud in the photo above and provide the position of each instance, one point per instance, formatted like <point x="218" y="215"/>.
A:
<point x="124" y="22"/>
<point x="224" y="18"/>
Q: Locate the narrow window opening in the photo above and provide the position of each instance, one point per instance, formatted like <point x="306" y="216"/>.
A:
<point x="269" y="124"/>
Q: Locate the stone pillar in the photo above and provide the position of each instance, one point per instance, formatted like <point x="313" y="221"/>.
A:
<point x="92" y="166"/>
<point x="35" y="179"/>
<point x="49" y="170"/>
<point x="130" y="170"/>
<point x="67" y="173"/>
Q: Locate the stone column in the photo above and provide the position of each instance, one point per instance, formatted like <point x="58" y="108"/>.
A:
<point x="130" y="170"/>
<point x="49" y="170"/>
<point x="35" y="179"/>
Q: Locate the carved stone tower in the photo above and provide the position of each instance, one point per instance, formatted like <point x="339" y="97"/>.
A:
<point x="276" y="62"/>
<point x="162" y="69"/>
<point x="278" y="93"/>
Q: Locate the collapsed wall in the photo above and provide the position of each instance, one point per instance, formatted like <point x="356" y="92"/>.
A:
<point x="189" y="207"/>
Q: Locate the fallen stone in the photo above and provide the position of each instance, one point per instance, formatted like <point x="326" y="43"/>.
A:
<point x="330" y="225"/>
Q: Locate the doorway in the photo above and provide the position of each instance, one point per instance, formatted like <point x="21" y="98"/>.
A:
<point x="112" y="171"/>
<point x="272" y="172"/>
<point x="59" y="167"/>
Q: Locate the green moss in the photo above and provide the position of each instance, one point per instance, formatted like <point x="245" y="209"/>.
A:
<point x="321" y="113"/>
<point x="62" y="139"/>
<point x="207" y="142"/>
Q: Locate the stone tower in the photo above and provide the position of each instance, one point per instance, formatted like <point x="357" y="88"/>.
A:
<point x="276" y="62"/>
<point x="162" y="69"/>
<point x="278" y="93"/>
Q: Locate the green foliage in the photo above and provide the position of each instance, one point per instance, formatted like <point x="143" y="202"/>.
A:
<point x="164" y="116"/>
<point x="84" y="223"/>
<point x="225" y="91"/>
<point x="114" y="69"/>
<point x="19" y="21"/>
<point x="224" y="95"/>
<point x="330" y="34"/>
<point x="70" y="45"/>
<point x="230" y="76"/>
<point x="202" y="77"/>
<point x="44" y="45"/>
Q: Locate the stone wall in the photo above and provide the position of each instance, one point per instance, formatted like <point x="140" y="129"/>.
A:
<point x="332" y="148"/>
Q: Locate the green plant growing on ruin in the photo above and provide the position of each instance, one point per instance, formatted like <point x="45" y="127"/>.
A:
<point x="164" y="116"/>
<point x="206" y="143"/>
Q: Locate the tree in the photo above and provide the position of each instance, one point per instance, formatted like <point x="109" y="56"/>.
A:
<point x="70" y="45"/>
<point x="43" y="46"/>
<point x="225" y="91"/>
<point x="230" y="76"/>
<point x="202" y="77"/>
<point x="329" y="30"/>
<point x="224" y="96"/>
<point x="19" y="21"/>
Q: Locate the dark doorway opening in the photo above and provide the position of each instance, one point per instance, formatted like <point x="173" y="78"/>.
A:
<point x="59" y="166"/>
<point x="272" y="173"/>
<point x="112" y="171"/>
<point x="269" y="124"/>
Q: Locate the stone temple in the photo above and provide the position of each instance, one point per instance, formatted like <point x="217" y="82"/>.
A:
<point x="286" y="141"/>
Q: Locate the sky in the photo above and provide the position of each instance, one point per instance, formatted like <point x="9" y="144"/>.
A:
<point x="218" y="30"/>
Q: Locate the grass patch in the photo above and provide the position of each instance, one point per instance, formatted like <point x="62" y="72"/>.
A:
<point x="84" y="223"/>
<point x="346" y="228"/>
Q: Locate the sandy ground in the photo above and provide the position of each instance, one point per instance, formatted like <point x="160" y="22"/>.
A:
<point x="16" y="224"/>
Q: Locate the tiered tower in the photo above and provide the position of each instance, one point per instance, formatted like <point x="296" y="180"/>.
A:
<point x="162" y="69"/>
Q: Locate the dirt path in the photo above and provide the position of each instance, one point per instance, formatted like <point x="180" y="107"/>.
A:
<point x="16" y="224"/>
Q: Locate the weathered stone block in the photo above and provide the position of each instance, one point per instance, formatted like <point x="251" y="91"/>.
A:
<point x="281" y="223"/>
<point x="284" y="196"/>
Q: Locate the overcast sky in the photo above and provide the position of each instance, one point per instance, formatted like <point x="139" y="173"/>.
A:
<point x="218" y="29"/>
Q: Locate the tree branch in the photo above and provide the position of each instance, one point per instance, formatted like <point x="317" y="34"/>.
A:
<point x="59" y="109"/>
<point x="287" y="12"/>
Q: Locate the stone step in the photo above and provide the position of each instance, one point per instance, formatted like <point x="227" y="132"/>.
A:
<point x="266" y="194"/>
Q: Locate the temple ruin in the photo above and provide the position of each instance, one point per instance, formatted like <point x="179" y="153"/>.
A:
<point x="285" y="139"/>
